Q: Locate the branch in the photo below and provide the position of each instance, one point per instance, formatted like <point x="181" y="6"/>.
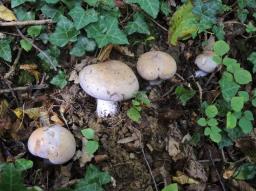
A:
<point x="33" y="87"/>
<point x="24" y="23"/>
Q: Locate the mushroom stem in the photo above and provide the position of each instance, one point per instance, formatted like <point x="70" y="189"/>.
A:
<point x="155" y="82"/>
<point x="106" y="108"/>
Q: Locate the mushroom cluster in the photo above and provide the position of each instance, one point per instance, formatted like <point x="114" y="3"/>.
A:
<point x="55" y="143"/>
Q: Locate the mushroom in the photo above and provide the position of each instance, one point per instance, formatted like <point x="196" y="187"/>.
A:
<point x="205" y="62"/>
<point x="108" y="82"/>
<point x="55" y="143"/>
<point x="155" y="65"/>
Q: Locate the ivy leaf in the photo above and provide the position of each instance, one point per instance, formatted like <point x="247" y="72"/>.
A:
<point x="16" y="3"/>
<point x="183" y="24"/>
<point x="53" y="53"/>
<point x="60" y="80"/>
<point x="34" y="31"/>
<point x="137" y="25"/>
<point x="82" y="45"/>
<point x="82" y="18"/>
<point x="165" y="9"/>
<point x="51" y="12"/>
<point x="26" y="45"/>
<point x="151" y="7"/>
<point x="52" y="1"/>
<point x="242" y="76"/>
<point x="106" y="31"/>
<point x="23" y="14"/>
<point x="246" y="171"/>
<point x="250" y="28"/>
<point x="65" y="32"/>
<point x="23" y="164"/>
<point x="252" y="59"/>
<point x="5" y="50"/>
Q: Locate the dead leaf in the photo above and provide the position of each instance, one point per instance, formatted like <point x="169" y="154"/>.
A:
<point x="173" y="148"/>
<point x="32" y="69"/>
<point x="6" y="14"/>
<point x="182" y="178"/>
<point x="196" y="170"/>
<point x="74" y="77"/>
<point x="56" y="119"/>
<point x="33" y="113"/>
<point x="124" y="50"/>
<point x="247" y="145"/>
<point x="3" y="108"/>
<point x="104" y="53"/>
<point x="85" y="157"/>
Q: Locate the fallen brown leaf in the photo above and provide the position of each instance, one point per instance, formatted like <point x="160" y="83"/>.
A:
<point x="6" y="14"/>
<point x="182" y="178"/>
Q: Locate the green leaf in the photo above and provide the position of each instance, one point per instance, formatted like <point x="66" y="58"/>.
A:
<point x="92" y="2"/>
<point x="151" y="7"/>
<point x="65" y="32"/>
<point x="82" y="18"/>
<point x="252" y="59"/>
<point x="242" y="76"/>
<point x="11" y="178"/>
<point x="202" y="122"/>
<point x="184" y="94"/>
<point x="165" y="9"/>
<point x="248" y="115"/>
<point x="237" y="103"/>
<point x="52" y="1"/>
<point x="245" y="125"/>
<point x="53" y="53"/>
<point x="26" y="45"/>
<point x="250" y="28"/>
<point x="82" y="45"/>
<point x="231" y="64"/>
<point x="16" y="3"/>
<point x="106" y="31"/>
<point x="137" y="25"/>
<point x="60" y="80"/>
<point x="245" y="95"/>
<point x="88" y="133"/>
<point x="91" y="147"/>
<point x="212" y="122"/>
<point x="213" y="133"/>
<point x="50" y="12"/>
<point x="23" y="14"/>
<point x="228" y="87"/>
<point x="34" y="31"/>
<point x="231" y="120"/>
<point x="183" y="23"/>
<point x="221" y="48"/>
<point x="254" y="102"/>
<point x="211" y="111"/>
<point x="134" y="114"/>
<point x="171" y="187"/>
<point x="23" y="164"/>
<point x="246" y="171"/>
<point x="5" y="50"/>
<point x="142" y="98"/>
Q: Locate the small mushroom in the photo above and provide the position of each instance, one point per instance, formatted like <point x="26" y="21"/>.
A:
<point x="108" y="82"/>
<point x="55" y="143"/>
<point x="205" y="62"/>
<point x="156" y="65"/>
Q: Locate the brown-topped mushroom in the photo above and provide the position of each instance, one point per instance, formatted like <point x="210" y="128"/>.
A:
<point x="108" y="82"/>
<point x="156" y="65"/>
<point x="55" y="143"/>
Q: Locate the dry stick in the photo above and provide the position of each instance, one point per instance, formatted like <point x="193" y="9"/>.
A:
<point x="24" y="23"/>
<point x="145" y="159"/>
<point x="12" y="68"/>
<point x="218" y="175"/>
<point x="34" y="87"/>
<point x="37" y="48"/>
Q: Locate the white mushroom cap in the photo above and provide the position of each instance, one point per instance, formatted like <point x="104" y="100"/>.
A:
<point x="155" y="65"/>
<point x="205" y="62"/>
<point x="110" y="81"/>
<point x="55" y="143"/>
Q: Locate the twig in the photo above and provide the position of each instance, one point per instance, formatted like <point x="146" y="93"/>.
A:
<point x="37" y="48"/>
<point x="218" y="175"/>
<point x="144" y="156"/>
<point x="33" y="87"/>
<point x="24" y="23"/>
<point x="12" y="68"/>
